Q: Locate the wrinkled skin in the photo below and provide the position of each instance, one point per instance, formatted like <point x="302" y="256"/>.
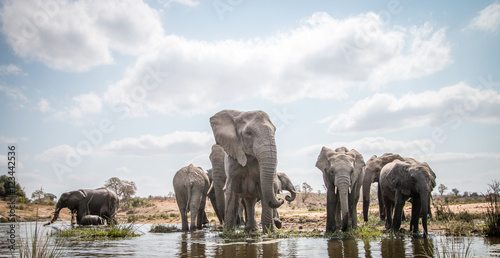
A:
<point x="400" y="181"/>
<point x="248" y="139"/>
<point x="92" y="220"/>
<point x="191" y="185"/>
<point x="101" y="202"/>
<point x="283" y="183"/>
<point x="371" y="175"/>
<point x="218" y="174"/>
<point x="342" y="173"/>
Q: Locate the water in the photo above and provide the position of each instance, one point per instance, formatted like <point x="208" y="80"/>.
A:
<point x="209" y="244"/>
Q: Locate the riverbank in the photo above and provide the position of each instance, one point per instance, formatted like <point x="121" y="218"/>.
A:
<point x="295" y="217"/>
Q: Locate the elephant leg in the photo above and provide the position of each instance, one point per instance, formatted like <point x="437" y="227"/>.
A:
<point x="183" y="210"/>
<point x="388" y="212"/>
<point x="353" y="211"/>
<point x="415" y="214"/>
<point x="331" y="209"/>
<point x="195" y="206"/>
<point x="232" y="203"/>
<point x="381" y="208"/>
<point x="398" y="211"/>
<point x="251" y="223"/>
<point x="277" y="221"/>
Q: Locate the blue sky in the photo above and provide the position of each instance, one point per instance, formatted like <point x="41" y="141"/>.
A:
<point x="91" y="90"/>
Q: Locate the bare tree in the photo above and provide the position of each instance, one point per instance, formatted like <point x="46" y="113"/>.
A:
<point x="306" y="191"/>
<point x="442" y="189"/>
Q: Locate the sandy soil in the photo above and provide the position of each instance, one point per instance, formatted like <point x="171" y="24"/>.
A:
<point x="293" y="217"/>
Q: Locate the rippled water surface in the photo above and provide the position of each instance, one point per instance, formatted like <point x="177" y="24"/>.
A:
<point x="210" y="244"/>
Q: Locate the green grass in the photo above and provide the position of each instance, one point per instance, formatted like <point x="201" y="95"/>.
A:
<point x="38" y="243"/>
<point x="115" y="231"/>
<point x="163" y="229"/>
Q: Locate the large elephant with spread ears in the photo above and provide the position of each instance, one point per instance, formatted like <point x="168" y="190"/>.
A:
<point x="372" y="174"/>
<point x="342" y="173"/>
<point x="101" y="202"/>
<point x="248" y="139"/>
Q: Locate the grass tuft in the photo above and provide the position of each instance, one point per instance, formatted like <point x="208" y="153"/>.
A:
<point x="114" y="231"/>
<point x="163" y="229"/>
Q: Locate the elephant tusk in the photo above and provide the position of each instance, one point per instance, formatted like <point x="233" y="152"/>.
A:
<point x="335" y="189"/>
<point x="349" y="190"/>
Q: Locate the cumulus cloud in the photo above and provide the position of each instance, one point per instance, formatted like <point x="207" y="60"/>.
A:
<point x="189" y="3"/>
<point x="321" y="58"/>
<point x="180" y="142"/>
<point x="487" y="20"/>
<point x="78" y="35"/>
<point x="88" y="103"/>
<point x="386" y="112"/>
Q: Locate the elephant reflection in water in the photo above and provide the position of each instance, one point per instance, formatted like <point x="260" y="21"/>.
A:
<point x="423" y="247"/>
<point x="190" y="248"/>
<point x="343" y="248"/>
<point x="392" y="247"/>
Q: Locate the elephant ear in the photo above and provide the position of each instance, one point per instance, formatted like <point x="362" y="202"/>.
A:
<point x="404" y="179"/>
<point x="323" y="163"/>
<point x="226" y="135"/>
<point x="359" y="164"/>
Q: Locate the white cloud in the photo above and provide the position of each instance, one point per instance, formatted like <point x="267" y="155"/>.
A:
<point x="124" y="170"/>
<point x="56" y="153"/>
<point x="44" y="105"/>
<point x="78" y="35"/>
<point x="88" y="103"/>
<point x="14" y="94"/>
<point x="4" y="164"/>
<point x="322" y="58"/>
<point x="10" y="69"/>
<point x="189" y="3"/>
<point x="488" y="19"/>
<point x="179" y="142"/>
<point x="387" y="112"/>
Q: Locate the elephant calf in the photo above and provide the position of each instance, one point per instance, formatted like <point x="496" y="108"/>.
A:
<point x="91" y="220"/>
<point x="401" y="180"/>
<point x="191" y="185"/>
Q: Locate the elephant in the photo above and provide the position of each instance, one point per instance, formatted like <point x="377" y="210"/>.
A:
<point x="248" y="139"/>
<point x="372" y="174"/>
<point x="92" y="220"/>
<point x="283" y="183"/>
<point x="218" y="174"/>
<point x="101" y="202"/>
<point x="342" y="173"/>
<point x="191" y="185"/>
<point x="400" y="181"/>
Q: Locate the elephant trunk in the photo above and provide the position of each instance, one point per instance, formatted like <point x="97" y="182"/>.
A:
<point x="267" y="160"/>
<point x="425" y="200"/>
<point x="56" y="214"/>
<point x="217" y="157"/>
<point x="343" y="193"/>
<point x="367" y="182"/>
<point x="291" y="197"/>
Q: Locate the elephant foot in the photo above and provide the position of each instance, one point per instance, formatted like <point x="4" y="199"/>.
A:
<point x="278" y="223"/>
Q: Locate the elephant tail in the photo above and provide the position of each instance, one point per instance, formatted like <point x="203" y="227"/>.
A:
<point x="190" y="188"/>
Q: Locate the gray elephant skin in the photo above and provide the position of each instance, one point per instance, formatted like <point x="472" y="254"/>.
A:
<point x="400" y="181"/>
<point x="248" y="139"/>
<point x="94" y="220"/>
<point x="372" y="175"/>
<point x="283" y="183"/>
<point x="342" y="173"/>
<point x="218" y="175"/>
<point x="101" y="202"/>
<point x="191" y="185"/>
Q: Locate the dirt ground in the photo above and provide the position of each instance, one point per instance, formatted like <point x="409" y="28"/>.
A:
<point x="294" y="217"/>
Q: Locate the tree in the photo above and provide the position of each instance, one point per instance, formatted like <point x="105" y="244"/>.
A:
<point x="124" y="189"/>
<point x="38" y="195"/>
<point x="442" y="189"/>
<point x="6" y="189"/>
<point x="455" y="191"/>
<point x="306" y="191"/>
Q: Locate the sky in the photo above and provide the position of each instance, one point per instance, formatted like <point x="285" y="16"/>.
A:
<point x="91" y="90"/>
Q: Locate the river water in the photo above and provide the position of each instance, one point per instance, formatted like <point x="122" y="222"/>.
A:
<point x="207" y="243"/>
